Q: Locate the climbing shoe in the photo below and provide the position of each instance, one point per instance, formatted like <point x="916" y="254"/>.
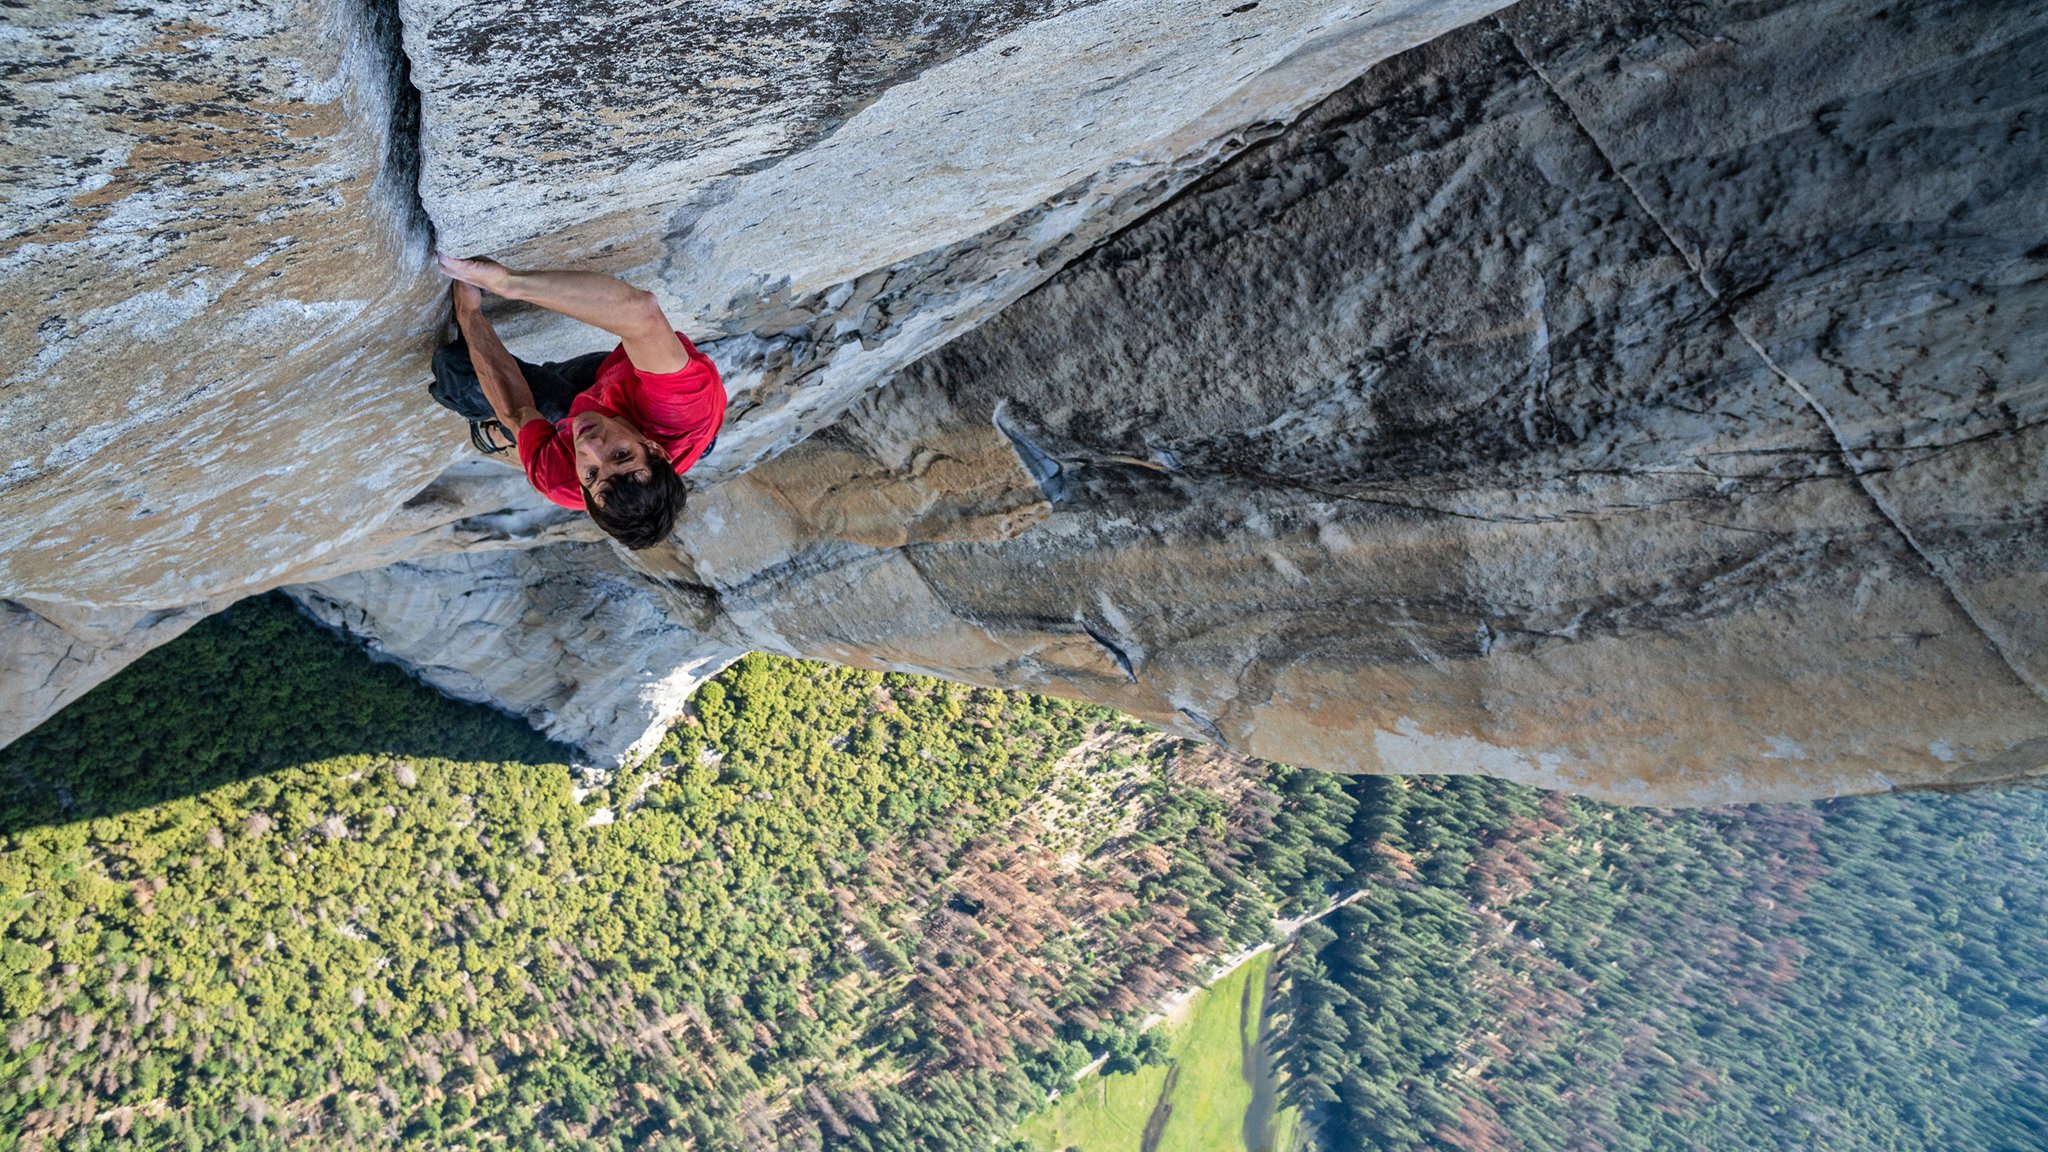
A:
<point x="483" y="434"/>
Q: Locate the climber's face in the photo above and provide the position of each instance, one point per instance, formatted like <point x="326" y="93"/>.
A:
<point x="607" y="446"/>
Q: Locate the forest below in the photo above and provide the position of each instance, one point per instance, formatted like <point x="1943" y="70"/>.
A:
<point x="259" y="892"/>
<point x="1530" y="970"/>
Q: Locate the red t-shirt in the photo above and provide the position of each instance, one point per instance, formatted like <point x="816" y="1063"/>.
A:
<point x="680" y="411"/>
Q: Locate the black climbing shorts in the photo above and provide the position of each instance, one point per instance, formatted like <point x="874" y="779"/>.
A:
<point x="554" y="384"/>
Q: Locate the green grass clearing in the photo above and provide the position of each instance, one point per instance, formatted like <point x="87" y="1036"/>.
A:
<point x="1100" y="1114"/>
<point x="1209" y="1095"/>
<point x="1286" y="1126"/>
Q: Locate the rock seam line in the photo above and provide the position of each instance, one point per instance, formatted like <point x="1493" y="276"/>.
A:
<point x="1985" y="628"/>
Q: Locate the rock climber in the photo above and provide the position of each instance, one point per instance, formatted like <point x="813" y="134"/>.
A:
<point x="611" y="432"/>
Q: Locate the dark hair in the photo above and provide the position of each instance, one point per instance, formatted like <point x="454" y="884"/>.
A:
<point x="640" y="513"/>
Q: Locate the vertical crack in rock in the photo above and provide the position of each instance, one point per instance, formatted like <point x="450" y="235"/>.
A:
<point x="1993" y="635"/>
<point x="390" y="77"/>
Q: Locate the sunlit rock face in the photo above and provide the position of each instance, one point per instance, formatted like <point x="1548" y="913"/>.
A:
<point x="1640" y="402"/>
<point x="210" y="272"/>
<point x="209" y="264"/>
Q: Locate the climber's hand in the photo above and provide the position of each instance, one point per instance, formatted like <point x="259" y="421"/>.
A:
<point x="481" y="271"/>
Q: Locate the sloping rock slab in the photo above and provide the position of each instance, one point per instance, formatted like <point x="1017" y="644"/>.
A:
<point x="217" y="305"/>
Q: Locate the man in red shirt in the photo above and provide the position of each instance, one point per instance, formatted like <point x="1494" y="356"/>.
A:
<point x="610" y="433"/>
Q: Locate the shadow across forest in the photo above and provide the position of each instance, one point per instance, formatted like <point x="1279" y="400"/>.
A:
<point x="251" y="690"/>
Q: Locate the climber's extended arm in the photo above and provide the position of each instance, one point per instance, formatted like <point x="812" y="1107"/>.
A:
<point x="504" y="385"/>
<point x="631" y="314"/>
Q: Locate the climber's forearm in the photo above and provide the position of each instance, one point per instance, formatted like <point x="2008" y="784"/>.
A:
<point x="504" y="385"/>
<point x="602" y="301"/>
<point x="607" y="302"/>
<point x="632" y="314"/>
